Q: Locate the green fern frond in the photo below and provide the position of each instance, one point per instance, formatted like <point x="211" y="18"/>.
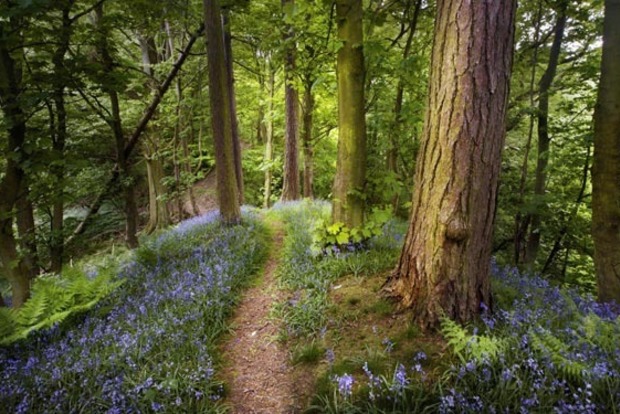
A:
<point x="467" y="346"/>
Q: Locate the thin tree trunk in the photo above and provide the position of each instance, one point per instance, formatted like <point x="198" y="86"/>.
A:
<point x="350" y="180"/>
<point x="227" y="184"/>
<point x="444" y="267"/>
<point x="308" y="144"/>
<point x="159" y="216"/>
<point x="521" y="224"/>
<point x="137" y="134"/>
<point x="233" y="103"/>
<point x="11" y="182"/>
<point x="59" y="141"/>
<point x="27" y="231"/>
<point x="124" y="164"/>
<point x="392" y="154"/>
<point x="606" y="165"/>
<point x="557" y="245"/>
<point x="290" y="190"/>
<point x="540" y="185"/>
<point x="268" y="160"/>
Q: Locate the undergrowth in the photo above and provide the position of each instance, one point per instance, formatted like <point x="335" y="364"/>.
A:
<point x="543" y="350"/>
<point x="149" y="346"/>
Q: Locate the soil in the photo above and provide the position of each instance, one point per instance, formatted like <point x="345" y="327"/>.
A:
<point x="257" y="371"/>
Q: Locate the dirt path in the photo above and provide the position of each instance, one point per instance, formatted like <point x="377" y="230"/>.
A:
<point x="257" y="372"/>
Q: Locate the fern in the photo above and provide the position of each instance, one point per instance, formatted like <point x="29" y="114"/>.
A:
<point x="471" y="346"/>
<point x="53" y="300"/>
<point x="556" y="350"/>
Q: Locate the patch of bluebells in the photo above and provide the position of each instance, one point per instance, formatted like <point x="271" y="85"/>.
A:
<point x="559" y="354"/>
<point x="148" y="347"/>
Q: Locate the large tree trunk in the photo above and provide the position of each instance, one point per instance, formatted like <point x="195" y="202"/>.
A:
<point x="348" y="201"/>
<point x="606" y="168"/>
<point x="308" y="145"/>
<point x="445" y="262"/>
<point x="233" y="104"/>
<point x="227" y="185"/>
<point x="540" y="185"/>
<point x="290" y="190"/>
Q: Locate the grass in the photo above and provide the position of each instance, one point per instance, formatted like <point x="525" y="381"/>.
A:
<point x="545" y="349"/>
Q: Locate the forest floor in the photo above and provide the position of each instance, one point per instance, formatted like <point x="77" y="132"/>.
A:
<point x="257" y="369"/>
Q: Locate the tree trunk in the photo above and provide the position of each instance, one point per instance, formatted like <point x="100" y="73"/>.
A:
<point x="445" y="262"/>
<point x="307" y="139"/>
<point x="219" y="98"/>
<point x="233" y="104"/>
<point x="27" y="231"/>
<point x="122" y="160"/>
<point x="11" y="182"/>
<point x="290" y="190"/>
<point x="59" y="141"/>
<point x="268" y="160"/>
<point x="392" y="154"/>
<point x="540" y="185"/>
<point x="522" y="224"/>
<point x="348" y="201"/>
<point x="606" y="168"/>
<point x="159" y="216"/>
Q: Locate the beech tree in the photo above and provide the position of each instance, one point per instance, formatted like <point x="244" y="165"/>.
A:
<point x="221" y="120"/>
<point x="606" y="168"/>
<point x="445" y="262"/>
<point x="348" y="202"/>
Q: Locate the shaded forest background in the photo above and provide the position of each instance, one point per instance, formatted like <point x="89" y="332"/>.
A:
<point x="99" y="149"/>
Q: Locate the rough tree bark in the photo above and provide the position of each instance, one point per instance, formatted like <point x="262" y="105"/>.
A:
<point x="544" y="141"/>
<point x="348" y="203"/>
<point x="290" y="189"/>
<point x="227" y="190"/>
<point x="445" y="262"/>
<point x="606" y="168"/>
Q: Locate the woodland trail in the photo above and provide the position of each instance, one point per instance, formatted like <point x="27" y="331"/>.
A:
<point x="257" y="370"/>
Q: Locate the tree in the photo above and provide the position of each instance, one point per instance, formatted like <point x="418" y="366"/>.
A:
<point x="11" y="182"/>
<point x="219" y="97"/>
<point x="348" y="202"/>
<point x="445" y="262"/>
<point x="544" y="140"/>
<point x="606" y="168"/>
<point x="290" y="190"/>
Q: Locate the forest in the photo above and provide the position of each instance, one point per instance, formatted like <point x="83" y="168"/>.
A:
<point x="309" y="206"/>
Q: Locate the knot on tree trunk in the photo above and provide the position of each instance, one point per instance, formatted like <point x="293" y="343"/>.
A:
<point x="457" y="229"/>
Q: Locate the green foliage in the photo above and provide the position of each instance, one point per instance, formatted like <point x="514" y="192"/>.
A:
<point x="55" y="298"/>
<point x="327" y="235"/>
<point x="471" y="346"/>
